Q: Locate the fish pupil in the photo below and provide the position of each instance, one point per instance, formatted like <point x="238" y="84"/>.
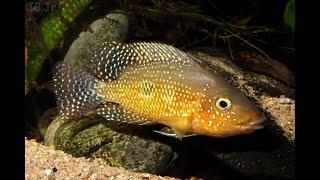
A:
<point x="223" y="104"/>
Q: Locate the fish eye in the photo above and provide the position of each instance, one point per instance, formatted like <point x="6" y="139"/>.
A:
<point x="223" y="103"/>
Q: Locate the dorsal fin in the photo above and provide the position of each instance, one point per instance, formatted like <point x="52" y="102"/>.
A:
<point x="111" y="58"/>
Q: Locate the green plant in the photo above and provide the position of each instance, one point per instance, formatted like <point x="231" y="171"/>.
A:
<point x="51" y="31"/>
<point x="289" y="15"/>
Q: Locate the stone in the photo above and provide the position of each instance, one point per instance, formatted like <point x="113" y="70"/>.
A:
<point x="47" y="172"/>
<point x="113" y="26"/>
<point x="121" y="145"/>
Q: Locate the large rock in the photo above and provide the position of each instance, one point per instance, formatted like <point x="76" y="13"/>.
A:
<point x="113" y="26"/>
<point x="119" y="144"/>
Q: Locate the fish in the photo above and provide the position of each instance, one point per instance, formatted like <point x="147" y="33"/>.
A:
<point x="147" y="83"/>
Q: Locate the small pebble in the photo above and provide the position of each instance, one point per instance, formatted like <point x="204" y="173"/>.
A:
<point x="48" y="172"/>
<point x="146" y="176"/>
<point x="284" y="101"/>
<point x="85" y="169"/>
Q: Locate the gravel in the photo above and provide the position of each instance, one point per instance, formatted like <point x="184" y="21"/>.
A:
<point x="42" y="162"/>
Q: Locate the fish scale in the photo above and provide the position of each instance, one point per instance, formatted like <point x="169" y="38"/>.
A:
<point x="147" y="83"/>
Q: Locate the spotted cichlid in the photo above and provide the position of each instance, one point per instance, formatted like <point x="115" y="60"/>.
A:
<point x="147" y="83"/>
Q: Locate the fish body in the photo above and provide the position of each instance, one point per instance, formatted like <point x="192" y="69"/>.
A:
<point x="147" y="83"/>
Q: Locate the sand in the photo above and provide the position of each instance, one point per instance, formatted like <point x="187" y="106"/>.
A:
<point x="283" y="111"/>
<point x="42" y="162"/>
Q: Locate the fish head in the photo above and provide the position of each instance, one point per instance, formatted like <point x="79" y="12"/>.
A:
<point x="226" y="111"/>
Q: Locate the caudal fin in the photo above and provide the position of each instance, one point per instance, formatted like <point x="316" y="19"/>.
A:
<point x="75" y="90"/>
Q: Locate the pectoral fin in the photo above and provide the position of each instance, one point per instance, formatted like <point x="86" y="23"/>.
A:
<point x="173" y="133"/>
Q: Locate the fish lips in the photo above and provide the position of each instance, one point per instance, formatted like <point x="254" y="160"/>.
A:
<point x="259" y="124"/>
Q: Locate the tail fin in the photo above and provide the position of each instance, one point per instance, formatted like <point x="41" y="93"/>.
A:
<point x="75" y="90"/>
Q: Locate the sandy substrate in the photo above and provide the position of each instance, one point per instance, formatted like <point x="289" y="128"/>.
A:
<point x="42" y="162"/>
<point x="283" y="110"/>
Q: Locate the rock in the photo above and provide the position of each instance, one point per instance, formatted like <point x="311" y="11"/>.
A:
<point x="119" y="144"/>
<point x="284" y="100"/>
<point x="268" y="152"/>
<point x="112" y="27"/>
<point x="47" y="172"/>
<point x="257" y="63"/>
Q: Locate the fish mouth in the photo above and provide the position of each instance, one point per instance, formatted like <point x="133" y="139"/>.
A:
<point x="259" y="124"/>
